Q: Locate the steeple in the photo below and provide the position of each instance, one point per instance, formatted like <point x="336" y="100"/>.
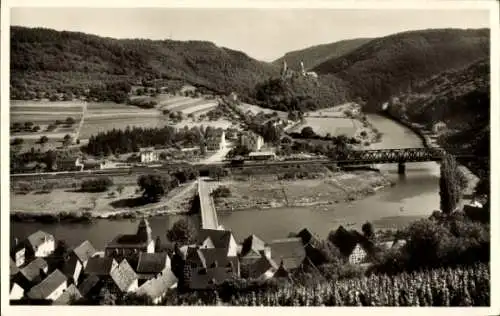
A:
<point x="144" y="231"/>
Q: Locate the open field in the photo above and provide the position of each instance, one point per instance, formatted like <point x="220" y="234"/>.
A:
<point x="331" y="125"/>
<point x="61" y="105"/>
<point x="39" y="118"/>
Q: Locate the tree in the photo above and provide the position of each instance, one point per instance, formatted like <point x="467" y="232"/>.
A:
<point x="368" y="230"/>
<point x="96" y="185"/>
<point x="17" y="141"/>
<point x="182" y="232"/>
<point x="449" y="184"/>
<point x="43" y="139"/>
<point x="67" y="140"/>
<point x="307" y="132"/>
<point x="154" y="186"/>
<point x="70" y="121"/>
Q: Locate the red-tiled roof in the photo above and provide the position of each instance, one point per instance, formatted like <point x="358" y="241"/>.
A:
<point x="84" y="251"/>
<point x="152" y="262"/>
<point x="123" y="275"/>
<point x="100" y="266"/>
<point x="290" y="250"/>
<point x="71" y="293"/>
<point x="47" y="286"/>
<point x="38" y="238"/>
<point x="34" y="269"/>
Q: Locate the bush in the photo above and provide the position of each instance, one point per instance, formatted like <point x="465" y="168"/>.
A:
<point x="96" y="185"/>
<point x="221" y="192"/>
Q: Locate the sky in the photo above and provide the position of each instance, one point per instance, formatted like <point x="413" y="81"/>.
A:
<point x="264" y="34"/>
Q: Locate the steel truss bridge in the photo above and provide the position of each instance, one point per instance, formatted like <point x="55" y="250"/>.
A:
<point x="402" y="155"/>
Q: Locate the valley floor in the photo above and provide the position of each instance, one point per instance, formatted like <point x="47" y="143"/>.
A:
<point x="269" y="193"/>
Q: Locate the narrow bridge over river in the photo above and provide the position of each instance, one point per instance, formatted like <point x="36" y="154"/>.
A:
<point x="207" y="208"/>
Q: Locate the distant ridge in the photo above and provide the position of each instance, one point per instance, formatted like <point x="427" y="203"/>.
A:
<point x="315" y="55"/>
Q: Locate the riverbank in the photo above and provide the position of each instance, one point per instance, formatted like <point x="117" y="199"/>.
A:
<point x="269" y="193"/>
<point x="82" y="207"/>
<point x="429" y="140"/>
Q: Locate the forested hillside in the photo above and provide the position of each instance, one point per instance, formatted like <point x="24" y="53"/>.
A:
<point x="389" y="65"/>
<point x="458" y="98"/>
<point x="45" y="61"/>
<point x="315" y="55"/>
<point x="48" y="60"/>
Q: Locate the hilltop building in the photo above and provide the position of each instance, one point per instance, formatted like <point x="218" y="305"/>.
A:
<point x="131" y="245"/>
<point x="287" y="73"/>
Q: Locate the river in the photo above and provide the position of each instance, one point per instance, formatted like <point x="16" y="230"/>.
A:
<point x="415" y="195"/>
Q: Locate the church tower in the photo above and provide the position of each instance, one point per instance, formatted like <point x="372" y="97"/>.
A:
<point x="302" y="69"/>
<point x="144" y="231"/>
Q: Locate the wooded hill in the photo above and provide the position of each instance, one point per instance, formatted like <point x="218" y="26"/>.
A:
<point x="389" y="65"/>
<point x="315" y="55"/>
<point x="459" y="98"/>
<point x="44" y="60"/>
<point x="48" y="60"/>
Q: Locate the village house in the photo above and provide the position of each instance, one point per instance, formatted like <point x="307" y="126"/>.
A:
<point x="90" y="286"/>
<point x="13" y="268"/>
<point x="156" y="288"/>
<point x="77" y="260"/>
<point x="188" y="90"/>
<point x="40" y="244"/>
<point x="262" y="269"/>
<point x="205" y="268"/>
<point x="100" y="267"/>
<point x="148" y="156"/>
<point x="252" y="250"/>
<point x="18" y="253"/>
<point x="221" y="239"/>
<point x="216" y="141"/>
<point x="288" y="252"/>
<point x="251" y="141"/>
<point x="33" y="273"/>
<point x="123" y="278"/>
<point x="50" y="288"/>
<point x="150" y="265"/>
<point x="355" y="247"/>
<point x="123" y="246"/>
<point x="67" y="297"/>
<point x="16" y="292"/>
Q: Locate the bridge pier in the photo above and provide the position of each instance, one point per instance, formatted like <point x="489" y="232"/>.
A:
<point x="401" y="168"/>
